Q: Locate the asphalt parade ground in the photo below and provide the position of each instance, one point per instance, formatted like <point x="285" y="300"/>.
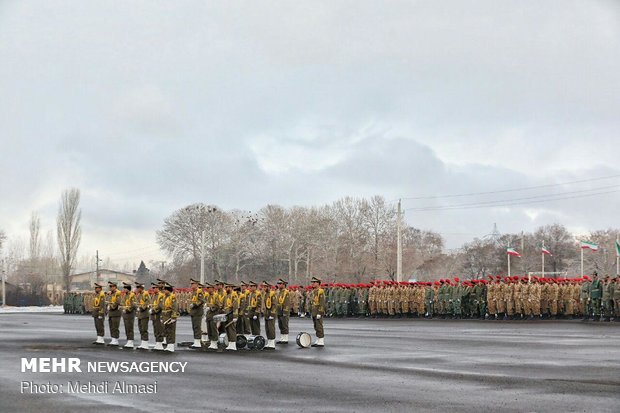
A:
<point x="367" y="365"/>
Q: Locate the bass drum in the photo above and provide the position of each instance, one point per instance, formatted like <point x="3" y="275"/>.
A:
<point x="304" y="340"/>
<point x="256" y="342"/>
<point x="241" y="341"/>
<point x="222" y="341"/>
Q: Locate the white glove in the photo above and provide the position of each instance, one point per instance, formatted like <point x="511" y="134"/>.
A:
<point x="234" y="320"/>
<point x="100" y="317"/>
<point x="173" y="320"/>
<point x="150" y="311"/>
<point x="207" y="308"/>
<point x="318" y="316"/>
<point x="255" y="318"/>
<point x="269" y="318"/>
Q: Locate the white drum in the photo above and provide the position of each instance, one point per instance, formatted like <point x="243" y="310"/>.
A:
<point x="304" y="340"/>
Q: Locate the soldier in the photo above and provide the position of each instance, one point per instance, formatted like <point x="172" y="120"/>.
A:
<point x="129" y="314"/>
<point x="211" y="309"/>
<point x="544" y="297"/>
<point x="270" y="311"/>
<point x="584" y="297"/>
<point x="169" y="316"/>
<point x="254" y="310"/>
<point x="491" y="299"/>
<point x="114" y="312"/>
<point x="362" y="300"/>
<point x="318" y="311"/>
<point x="429" y="299"/>
<point x="98" y="313"/>
<point x="596" y="293"/>
<point x="554" y="298"/>
<point x="143" y="301"/>
<point x="215" y="306"/>
<point x="535" y="292"/>
<point x="509" y="298"/>
<point x="456" y="295"/>
<point x="607" y="301"/>
<point x="243" y="322"/>
<point x="283" y="310"/>
<point x="615" y="296"/>
<point x="157" y="305"/>
<point x="295" y="300"/>
<point x="230" y="307"/>
<point x="518" y="297"/>
<point x="196" y="312"/>
<point x="372" y="299"/>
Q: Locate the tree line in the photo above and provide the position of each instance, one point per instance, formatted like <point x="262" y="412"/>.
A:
<point x="349" y="240"/>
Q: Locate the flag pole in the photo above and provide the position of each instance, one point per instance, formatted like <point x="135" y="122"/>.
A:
<point x="543" y="258"/>
<point x="508" y="265"/>
<point x="617" y="257"/>
<point x="582" y="261"/>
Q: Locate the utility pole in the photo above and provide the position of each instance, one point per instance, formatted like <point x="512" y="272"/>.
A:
<point x="3" y="283"/>
<point x="523" y="253"/>
<point x="399" y="247"/>
<point x="202" y="257"/>
<point x="97" y="260"/>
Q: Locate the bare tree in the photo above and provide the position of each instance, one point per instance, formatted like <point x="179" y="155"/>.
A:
<point x="69" y="232"/>
<point x="35" y="237"/>
<point x="2" y="239"/>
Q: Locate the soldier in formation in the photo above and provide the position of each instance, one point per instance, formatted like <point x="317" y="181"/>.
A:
<point x="494" y="298"/>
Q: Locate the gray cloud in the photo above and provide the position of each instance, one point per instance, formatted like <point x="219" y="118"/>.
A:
<point x="148" y="107"/>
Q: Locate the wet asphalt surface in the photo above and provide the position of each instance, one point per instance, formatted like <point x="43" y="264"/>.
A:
<point x="367" y="365"/>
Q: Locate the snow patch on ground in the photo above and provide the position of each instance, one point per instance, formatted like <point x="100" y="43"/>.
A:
<point x="32" y="309"/>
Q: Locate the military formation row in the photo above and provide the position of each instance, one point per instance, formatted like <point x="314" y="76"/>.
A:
<point x="506" y="298"/>
<point x="220" y="313"/>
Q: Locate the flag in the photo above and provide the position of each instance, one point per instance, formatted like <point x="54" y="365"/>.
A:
<point x="513" y="252"/>
<point x="545" y="251"/>
<point x="588" y="245"/>
<point x="617" y="248"/>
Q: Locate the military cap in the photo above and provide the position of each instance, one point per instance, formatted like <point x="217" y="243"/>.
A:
<point x="201" y="285"/>
<point x="158" y="285"/>
<point x="243" y="283"/>
<point x="252" y="284"/>
<point x="192" y="281"/>
<point x="316" y="280"/>
<point x="126" y="285"/>
<point x="139" y="285"/>
<point x="208" y="285"/>
<point x="112" y="283"/>
<point x="159" y="280"/>
<point x="97" y="285"/>
<point x="281" y="281"/>
<point x="216" y="282"/>
<point x="266" y="283"/>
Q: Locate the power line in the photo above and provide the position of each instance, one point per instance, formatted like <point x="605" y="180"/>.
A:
<point x="511" y="203"/>
<point x="527" y="188"/>
<point x="502" y="201"/>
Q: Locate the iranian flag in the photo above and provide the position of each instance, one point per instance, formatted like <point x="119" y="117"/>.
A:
<point x="545" y="251"/>
<point x="588" y="245"/>
<point x="618" y="248"/>
<point x="513" y="252"/>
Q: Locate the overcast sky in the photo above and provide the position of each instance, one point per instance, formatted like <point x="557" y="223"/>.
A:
<point x="149" y="106"/>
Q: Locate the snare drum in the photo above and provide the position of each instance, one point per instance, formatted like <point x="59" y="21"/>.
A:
<point x="304" y="340"/>
<point x="241" y="341"/>
<point x="256" y="342"/>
